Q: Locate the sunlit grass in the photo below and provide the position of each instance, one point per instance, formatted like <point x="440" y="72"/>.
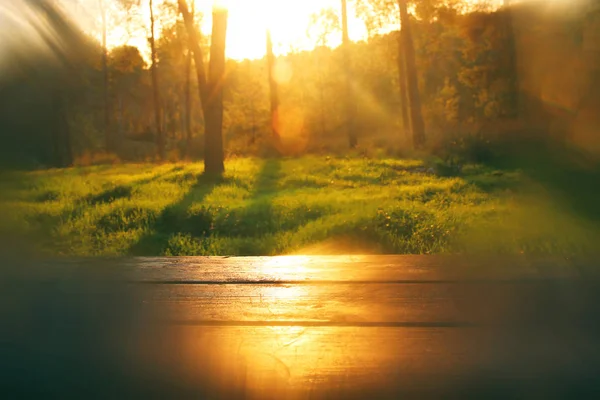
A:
<point x="287" y="207"/>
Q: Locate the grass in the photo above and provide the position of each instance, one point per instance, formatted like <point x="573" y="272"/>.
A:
<point x="302" y="205"/>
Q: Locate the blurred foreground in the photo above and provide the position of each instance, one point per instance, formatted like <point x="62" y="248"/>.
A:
<point x="299" y="328"/>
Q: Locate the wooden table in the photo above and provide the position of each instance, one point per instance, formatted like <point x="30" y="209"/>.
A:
<point x="299" y="327"/>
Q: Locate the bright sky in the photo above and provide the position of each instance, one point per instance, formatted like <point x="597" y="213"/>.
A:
<point x="288" y="20"/>
<point x="248" y="21"/>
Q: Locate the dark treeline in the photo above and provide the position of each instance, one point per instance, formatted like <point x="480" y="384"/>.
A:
<point x="514" y="71"/>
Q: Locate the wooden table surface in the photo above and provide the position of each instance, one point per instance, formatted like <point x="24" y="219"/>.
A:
<point x="299" y="327"/>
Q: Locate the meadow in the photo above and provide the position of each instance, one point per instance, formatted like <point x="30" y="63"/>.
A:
<point x="309" y="205"/>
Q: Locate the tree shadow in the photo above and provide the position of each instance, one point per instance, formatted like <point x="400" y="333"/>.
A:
<point x="257" y="218"/>
<point x="570" y="176"/>
<point x="47" y="223"/>
<point x="176" y="218"/>
<point x="267" y="179"/>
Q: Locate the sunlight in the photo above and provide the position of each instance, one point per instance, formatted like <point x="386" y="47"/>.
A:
<point x="285" y="267"/>
<point x="221" y="4"/>
<point x="288" y="21"/>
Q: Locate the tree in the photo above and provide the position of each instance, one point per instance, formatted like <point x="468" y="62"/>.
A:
<point x="349" y="95"/>
<point x="414" y="97"/>
<point x="325" y="23"/>
<point x="188" y="92"/>
<point x="273" y="92"/>
<point x="160" y="138"/>
<point x="211" y="89"/>
<point x="514" y="90"/>
<point x="128" y="87"/>
<point x="402" y="86"/>
<point x="213" y="152"/>
<point x="107" y="132"/>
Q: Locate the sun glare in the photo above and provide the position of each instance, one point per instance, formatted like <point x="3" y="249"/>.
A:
<point x="221" y="4"/>
<point x="288" y="21"/>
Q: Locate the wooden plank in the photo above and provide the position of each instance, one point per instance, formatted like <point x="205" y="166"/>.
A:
<point x="334" y="304"/>
<point x="305" y="269"/>
<point x="457" y="304"/>
<point x="298" y="269"/>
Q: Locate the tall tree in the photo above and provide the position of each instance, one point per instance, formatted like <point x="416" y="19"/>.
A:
<point x="160" y="138"/>
<point x="349" y="95"/>
<point x="414" y="97"/>
<point x="402" y="86"/>
<point x="107" y="130"/>
<point x="211" y="89"/>
<point x="213" y="153"/>
<point x="325" y="23"/>
<point x="273" y="91"/>
<point x="188" y="91"/>
<point x="515" y="103"/>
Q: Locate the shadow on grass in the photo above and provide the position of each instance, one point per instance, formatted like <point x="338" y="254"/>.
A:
<point x="576" y="188"/>
<point x="176" y="219"/>
<point x="47" y="223"/>
<point x="267" y="180"/>
<point x="495" y="181"/>
<point x="257" y="218"/>
<point x="571" y="178"/>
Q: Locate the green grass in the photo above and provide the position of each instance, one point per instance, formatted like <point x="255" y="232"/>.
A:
<point x="303" y="205"/>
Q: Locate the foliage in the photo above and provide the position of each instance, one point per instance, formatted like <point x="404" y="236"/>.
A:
<point x="463" y="58"/>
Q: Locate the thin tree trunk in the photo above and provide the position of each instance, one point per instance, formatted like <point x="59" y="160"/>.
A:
<point x="160" y="139"/>
<point x="188" y="93"/>
<point x="107" y="132"/>
<point x="57" y="158"/>
<point x="121" y="116"/>
<point x="188" y="104"/>
<point x="416" y="116"/>
<point x="66" y="131"/>
<point x="402" y="80"/>
<point x="61" y="135"/>
<point x="515" y="103"/>
<point x="274" y="93"/>
<point x="349" y="95"/>
<point x="322" y="101"/>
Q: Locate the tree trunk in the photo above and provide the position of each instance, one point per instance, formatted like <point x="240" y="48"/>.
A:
<point x="160" y="139"/>
<point x="107" y="131"/>
<point x="402" y="80"/>
<point x="61" y="137"/>
<point x="121" y="116"/>
<point x="515" y="103"/>
<point x="188" y="104"/>
<point x="414" y="97"/>
<point x="349" y="95"/>
<point x="213" y="139"/>
<point x="188" y="93"/>
<point x="211" y="93"/>
<point x="274" y="93"/>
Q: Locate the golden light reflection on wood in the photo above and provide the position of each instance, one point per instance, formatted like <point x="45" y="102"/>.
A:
<point x="317" y="327"/>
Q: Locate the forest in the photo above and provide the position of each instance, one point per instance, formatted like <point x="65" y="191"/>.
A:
<point x="453" y="96"/>
<point x="473" y="70"/>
